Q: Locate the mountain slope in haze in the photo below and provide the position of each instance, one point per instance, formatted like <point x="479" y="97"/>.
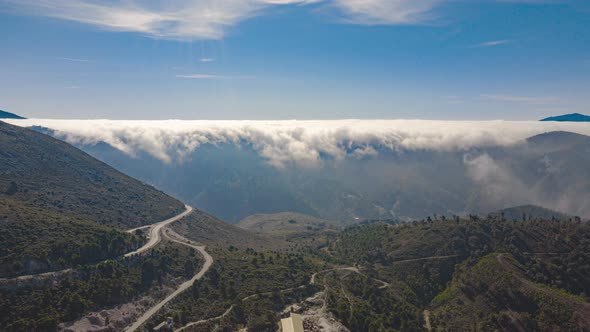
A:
<point x="232" y="182"/>
<point x="8" y="115"/>
<point x="527" y="212"/>
<point x="58" y="205"/>
<point x="574" y="117"/>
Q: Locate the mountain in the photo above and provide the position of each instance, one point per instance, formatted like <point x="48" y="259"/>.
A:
<point x="442" y="272"/>
<point x="481" y="274"/>
<point x="497" y="294"/>
<point x="50" y="174"/>
<point x="60" y="207"/>
<point x="233" y="182"/>
<point x="574" y="117"/>
<point x="7" y="115"/>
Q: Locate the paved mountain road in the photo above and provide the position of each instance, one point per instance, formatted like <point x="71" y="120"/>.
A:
<point x="154" y="239"/>
<point x="155" y="235"/>
<point x="173" y="236"/>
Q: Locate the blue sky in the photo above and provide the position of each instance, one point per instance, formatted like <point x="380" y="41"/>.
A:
<point x="294" y="59"/>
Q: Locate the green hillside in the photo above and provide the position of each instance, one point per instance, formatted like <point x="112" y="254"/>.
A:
<point x="36" y="240"/>
<point x="293" y="227"/>
<point x="496" y="294"/>
<point x="59" y="207"/>
<point x="50" y="174"/>
<point x="459" y="270"/>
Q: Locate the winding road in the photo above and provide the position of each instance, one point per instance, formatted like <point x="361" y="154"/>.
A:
<point x="155" y="237"/>
<point x="206" y="320"/>
<point x="173" y="236"/>
<point x="311" y="282"/>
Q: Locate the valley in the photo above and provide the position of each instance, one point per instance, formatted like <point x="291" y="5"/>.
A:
<point x="510" y="269"/>
<point x="294" y="166"/>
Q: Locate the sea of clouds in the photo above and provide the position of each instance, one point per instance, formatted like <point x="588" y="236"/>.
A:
<point x="303" y="143"/>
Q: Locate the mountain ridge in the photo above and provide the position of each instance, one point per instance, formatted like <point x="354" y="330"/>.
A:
<point x="572" y="117"/>
<point x="8" y="115"/>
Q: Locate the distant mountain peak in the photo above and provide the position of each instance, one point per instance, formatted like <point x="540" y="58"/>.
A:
<point x="574" y="117"/>
<point x="7" y="115"/>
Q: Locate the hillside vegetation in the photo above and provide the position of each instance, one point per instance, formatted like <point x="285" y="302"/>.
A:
<point x="250" y="282"/>
<point x="35" y="240"/>
<point x="292" y="227"/>
<point x="496" y="294"/>
<point x="42" y="306"/>
<point x="52" y="175"/>
<point x="526" y="212"/>
<point x="204" y="228"/>
<point x="59" y="207"/>
<point x="461" y="271"/>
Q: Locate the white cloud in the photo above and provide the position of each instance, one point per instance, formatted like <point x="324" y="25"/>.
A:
<point x="496" y="186"/>
<point x="493" y="43"/>
<point x="206" y="60"/>
<point x="374" y="12"/>
<point x="203" y="76"/>
<point x="73" y="59"/>
<point x="172" y="19"/>
<point x="208" y="19"/>
<point x="298" y="142"/>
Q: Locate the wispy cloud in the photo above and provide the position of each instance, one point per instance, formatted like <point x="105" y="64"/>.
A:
<point x="73" y="59"/>
<point x="70" y="87"/>
<point x="211" y="77"/>
<point x="519" y="99"/>
<point x="493" y="43"/>
<point x="209" y="19"/>
<point x="206" y="60"/>
<point x="173" y="19"/>
<point x="203" y="76"/>
<point x="382" y="12"/>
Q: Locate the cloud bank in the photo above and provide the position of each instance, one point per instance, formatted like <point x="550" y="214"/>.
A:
<point x="303" y="143"/>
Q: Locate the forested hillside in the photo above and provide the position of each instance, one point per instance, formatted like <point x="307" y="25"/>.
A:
<point x="483" y="274"/>
<point x="53" y="175"/>
<point x="41" y="306"/>
<point x="60" y="207"/>
<point x="36" y="240"/>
